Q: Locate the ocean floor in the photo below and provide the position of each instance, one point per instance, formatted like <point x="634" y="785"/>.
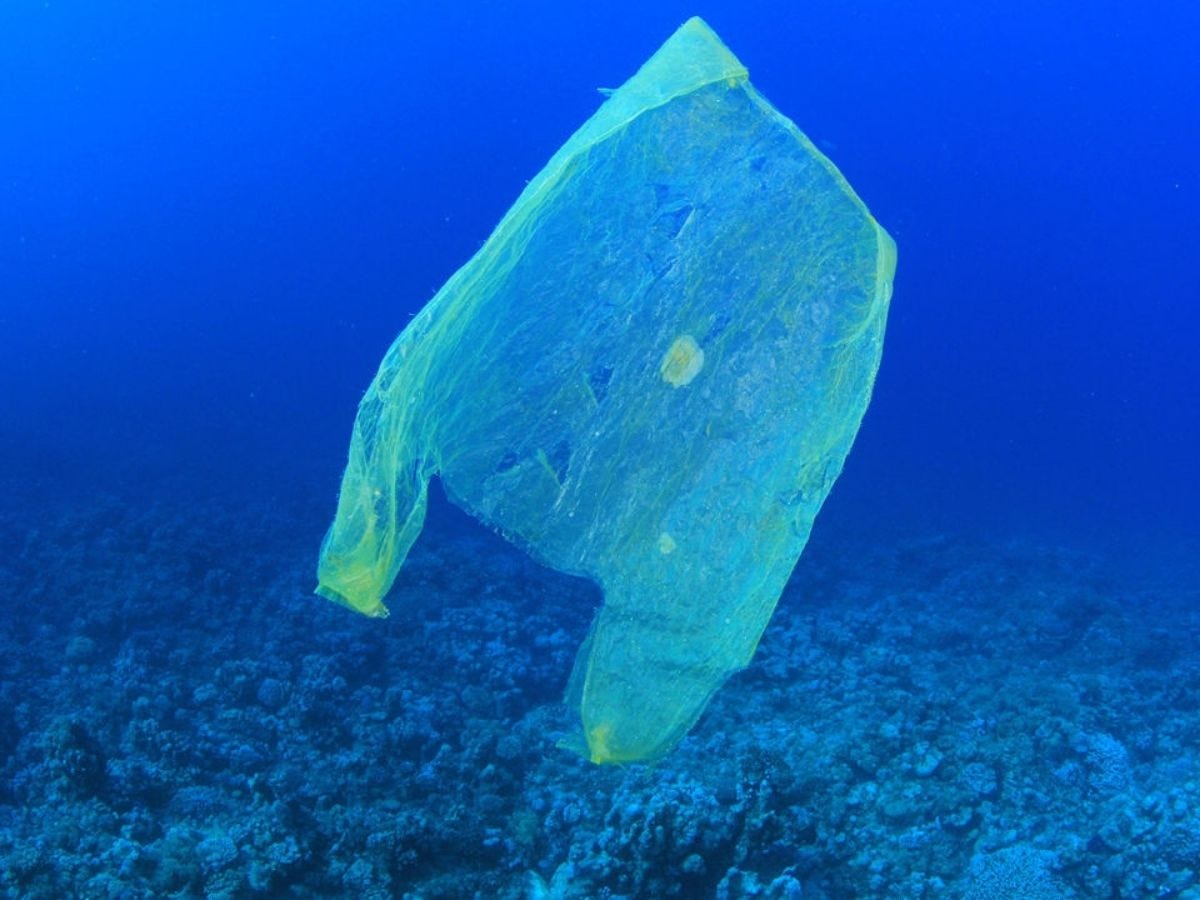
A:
<point x="929" y="716"/>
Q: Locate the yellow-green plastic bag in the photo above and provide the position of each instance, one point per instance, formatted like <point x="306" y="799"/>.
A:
<point x="650" y="375"/>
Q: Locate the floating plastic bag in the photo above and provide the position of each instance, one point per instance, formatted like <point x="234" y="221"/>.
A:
<point x="650" y="375"/>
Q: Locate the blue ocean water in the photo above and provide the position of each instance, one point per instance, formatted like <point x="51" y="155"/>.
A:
<point x="214" y="219"/>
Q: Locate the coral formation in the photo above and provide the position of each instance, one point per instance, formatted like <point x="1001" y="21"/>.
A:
<point x="929" y="718"/>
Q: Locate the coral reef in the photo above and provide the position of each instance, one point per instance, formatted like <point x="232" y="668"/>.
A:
<point x="179" y="716"/>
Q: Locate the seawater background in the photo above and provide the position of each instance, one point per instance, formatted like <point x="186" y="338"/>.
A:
<point x="214" y="219"/>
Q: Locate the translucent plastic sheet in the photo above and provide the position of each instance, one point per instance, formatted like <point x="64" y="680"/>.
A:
<point x="650" y="375"/>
